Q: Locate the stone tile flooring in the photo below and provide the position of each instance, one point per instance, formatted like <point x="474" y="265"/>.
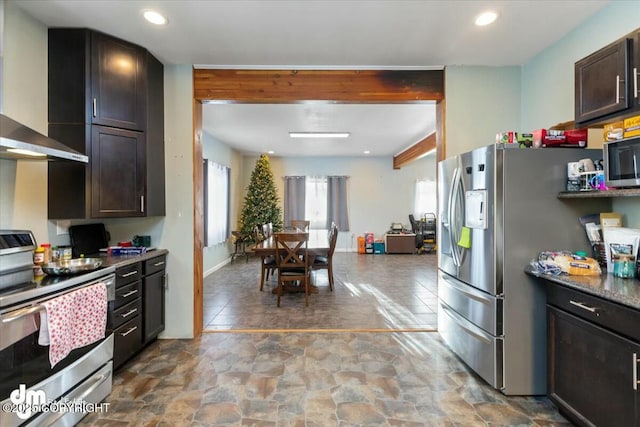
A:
<point x="371" y="292"/>
<point x="310" y="379"/>
<point x="256" y="375"/>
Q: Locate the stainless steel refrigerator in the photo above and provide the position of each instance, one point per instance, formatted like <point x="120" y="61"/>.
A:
<point x="497" y="209"/>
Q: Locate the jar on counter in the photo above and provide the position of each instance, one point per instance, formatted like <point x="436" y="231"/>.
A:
<point x="55" y="254"/>
<point x="624" y="267"/>
<point x="65" y="252"/>
<point x="47" y="252"/>
<point x="38" y="260"/>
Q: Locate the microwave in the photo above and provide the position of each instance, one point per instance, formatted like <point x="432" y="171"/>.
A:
<point x="622" y="163"/>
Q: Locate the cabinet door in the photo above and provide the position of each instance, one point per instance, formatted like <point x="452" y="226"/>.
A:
<point x="601" y="83"/>
<point x="117" y="173"/>
<point x="591" y="372"/>
<point x="635" y="71"/>
<point x="153" y="300"/>
<point x="118" y="83"/>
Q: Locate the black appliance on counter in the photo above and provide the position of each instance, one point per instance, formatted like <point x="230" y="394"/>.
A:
<point x="86" y="373"/>
<point x="88" y="239"/>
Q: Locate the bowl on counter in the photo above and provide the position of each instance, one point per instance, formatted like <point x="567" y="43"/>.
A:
<point x="71" y="266"/>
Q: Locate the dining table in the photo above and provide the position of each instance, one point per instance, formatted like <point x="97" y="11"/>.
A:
<point x="318" y="245"/>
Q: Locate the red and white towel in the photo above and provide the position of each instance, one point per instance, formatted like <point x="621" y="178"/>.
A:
<point x="73" y="320"/>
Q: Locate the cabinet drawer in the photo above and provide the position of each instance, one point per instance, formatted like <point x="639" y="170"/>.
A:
<point x="155" y="264"/>
<point x="128" y="274"/>
<point x="126" y="313"/>
<point x="126" y="294"/>
<point x="622" y="319"/>
<point x="127" y="341"/>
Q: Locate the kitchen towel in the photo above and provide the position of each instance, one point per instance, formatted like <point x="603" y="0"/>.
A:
<point x="73" y="320"/>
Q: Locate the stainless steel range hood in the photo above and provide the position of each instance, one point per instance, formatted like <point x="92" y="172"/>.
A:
<point x="20" y="142"/>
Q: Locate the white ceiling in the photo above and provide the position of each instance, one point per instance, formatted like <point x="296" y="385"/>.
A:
<point x="298" y="34"/>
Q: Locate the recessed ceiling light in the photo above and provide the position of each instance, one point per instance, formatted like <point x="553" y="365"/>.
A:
<point x="486" y="18"/>
<point x="155" y="17"/>
<point x="366" y="151"/>
<point x="319" y="134"/>
<point x="270" y="152"/>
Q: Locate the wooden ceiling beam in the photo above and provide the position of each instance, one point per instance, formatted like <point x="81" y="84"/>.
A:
<point x="281" y="86"/>
<point x="418" y="149"/>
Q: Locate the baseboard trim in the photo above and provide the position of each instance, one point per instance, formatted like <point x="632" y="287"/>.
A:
<point x="216" y="267"/>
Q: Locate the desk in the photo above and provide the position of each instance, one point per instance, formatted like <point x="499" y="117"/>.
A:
<point x="400" y="243"/>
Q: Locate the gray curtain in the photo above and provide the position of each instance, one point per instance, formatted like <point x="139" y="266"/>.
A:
<point x="294" y="194"/>
<point x="337" y="210"/>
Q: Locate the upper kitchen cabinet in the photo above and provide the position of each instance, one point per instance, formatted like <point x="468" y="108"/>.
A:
<point x="106" y="100"/>
<point x="635" y="71"/>
<point x="601" y="82"/>
<point x="118" y="80"/>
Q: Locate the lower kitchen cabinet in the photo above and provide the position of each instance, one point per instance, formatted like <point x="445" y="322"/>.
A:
<point x="138" y="310"/>
<point x="593" y="351"/>
<point x="153" y="296"/>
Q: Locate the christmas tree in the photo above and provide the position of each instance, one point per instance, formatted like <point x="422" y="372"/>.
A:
<point x="261" y="204"/>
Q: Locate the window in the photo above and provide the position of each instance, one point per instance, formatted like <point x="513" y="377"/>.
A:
<point x="315" y="203"/>
<point x="425" y="198"/>
<point x="319" y="199"/>
<point x="216" y="203"/>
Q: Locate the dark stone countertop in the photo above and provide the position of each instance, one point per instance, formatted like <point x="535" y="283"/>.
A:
<point x="622" y="291"/>
<point x="123" y="260"/>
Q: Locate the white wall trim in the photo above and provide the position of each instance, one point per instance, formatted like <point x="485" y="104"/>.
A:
<point x="217" y="267"/>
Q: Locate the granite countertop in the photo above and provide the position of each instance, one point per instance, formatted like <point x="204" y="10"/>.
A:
<point x="622" y="291"/>
<point x="122" y="260"/>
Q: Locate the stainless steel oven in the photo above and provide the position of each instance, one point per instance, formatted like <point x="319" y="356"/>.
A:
<point x="84" y="376"/>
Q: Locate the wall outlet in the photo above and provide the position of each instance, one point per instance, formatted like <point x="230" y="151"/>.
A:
<point x="62" y="227"/>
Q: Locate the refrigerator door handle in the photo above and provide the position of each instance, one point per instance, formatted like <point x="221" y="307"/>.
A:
<point x="454" y="208"/>
<point x="475" y="332"/>
<point x="471" y="294"/>
<point x="451" y="212"/>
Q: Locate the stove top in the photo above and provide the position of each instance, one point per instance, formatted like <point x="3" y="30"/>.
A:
<point x="22" y="285"/>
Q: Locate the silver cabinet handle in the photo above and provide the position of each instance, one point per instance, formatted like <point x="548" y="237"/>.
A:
<point x="585" y="307"/>
<point x="635" y="82"/>
<point x="130" y="274"/>
<point x="142" y="204"/>
<point x="128" y="313"/>
<point x="135" y="291"/>
<point x="95" y="107"/>
<point x="635" y="371"/>
<point x="158" y="264"/>
<point x="124" y="334"/>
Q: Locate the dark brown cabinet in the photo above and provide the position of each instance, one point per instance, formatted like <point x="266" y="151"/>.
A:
<point x="127" y="314"/>
<point x="118" y="80"/>
<point x="635" y="71"/>
<point x="593" y="351"/>
<point x="153" y="298"/>
<point x="139" y="307"/>
<point x="117" y="172"/>
<point x="602" y="82"/>
<point x="106" y="100"/>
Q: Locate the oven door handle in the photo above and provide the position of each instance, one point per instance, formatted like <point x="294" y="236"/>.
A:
<point x="98" y="380"/>
<point x="22" y="313"/>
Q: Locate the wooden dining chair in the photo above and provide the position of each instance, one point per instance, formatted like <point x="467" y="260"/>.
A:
<point x="292" y="261"/>
<point x="267" y="263"/>
<point x="326" y="262"/>
<point x="300" y="224"/>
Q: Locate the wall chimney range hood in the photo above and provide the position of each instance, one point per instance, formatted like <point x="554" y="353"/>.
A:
<point x="19" y="142"/>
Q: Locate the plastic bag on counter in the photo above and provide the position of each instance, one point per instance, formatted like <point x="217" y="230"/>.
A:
<point x="565" y="262"/>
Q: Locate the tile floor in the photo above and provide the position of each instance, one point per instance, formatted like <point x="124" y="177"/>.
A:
<point x="386" y="371"/>
<point x="371" y="292"/>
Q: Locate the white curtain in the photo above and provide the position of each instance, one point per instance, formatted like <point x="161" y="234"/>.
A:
<point x="425" y="198"/>
<point x="217" y="203"/>
<point x="316" y="202"/>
